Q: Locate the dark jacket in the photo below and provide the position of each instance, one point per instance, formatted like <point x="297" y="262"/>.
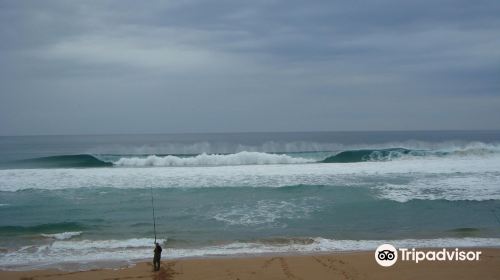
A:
<point x="158" y="251"/>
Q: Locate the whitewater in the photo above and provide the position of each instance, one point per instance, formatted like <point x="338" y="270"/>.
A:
<point x="464" y="175"/>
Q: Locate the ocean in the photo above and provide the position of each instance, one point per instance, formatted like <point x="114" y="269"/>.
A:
<point x="85" y="201"/>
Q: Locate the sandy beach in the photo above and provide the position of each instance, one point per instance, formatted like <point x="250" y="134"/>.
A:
<point x="355" y="265"/>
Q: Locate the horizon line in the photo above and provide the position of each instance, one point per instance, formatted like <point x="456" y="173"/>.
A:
<point x="250" y="132"/>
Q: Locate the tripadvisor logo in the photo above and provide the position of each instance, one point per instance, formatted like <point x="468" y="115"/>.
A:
<point x="387" y="255"/>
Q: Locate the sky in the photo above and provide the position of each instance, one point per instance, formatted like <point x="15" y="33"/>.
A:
<point x="98" y="67"/>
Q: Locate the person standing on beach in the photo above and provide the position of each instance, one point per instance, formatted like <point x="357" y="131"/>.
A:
<point x="157" y="257"/>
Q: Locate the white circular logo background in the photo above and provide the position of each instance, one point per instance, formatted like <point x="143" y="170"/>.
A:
<point x="386" y="255"/>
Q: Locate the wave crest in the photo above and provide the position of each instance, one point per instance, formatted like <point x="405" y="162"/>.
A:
<point x="473" y="149"/>
<point x="241" y="158"/>
<point x="62" y="235"/>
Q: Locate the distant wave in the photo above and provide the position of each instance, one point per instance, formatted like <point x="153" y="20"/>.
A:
<point x="367" y="155"/>
<point x="62" y="161"/>
<point x="241" y="158"/>
<point x="398" y="153"/>
<point x="276" y="147"/>
<point x="251" y="158"/>
<point x="259" y="158"/>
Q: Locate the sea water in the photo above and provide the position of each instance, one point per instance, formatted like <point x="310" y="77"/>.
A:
<point x="85" y="201"/>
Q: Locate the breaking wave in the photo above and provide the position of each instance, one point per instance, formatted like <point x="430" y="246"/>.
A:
<point x="369" y="155"/>
<point x="477" y="149"/>
<point x="241" y="158"/>
<point x="62" y="235"/>
<point x="252" y="158"/>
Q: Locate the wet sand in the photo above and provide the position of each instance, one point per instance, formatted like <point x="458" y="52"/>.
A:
<point x="355" y="265"/>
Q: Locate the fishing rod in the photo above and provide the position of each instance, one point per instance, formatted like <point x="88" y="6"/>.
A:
<point x="495" y="214"/>
<point x="153" y="207"/>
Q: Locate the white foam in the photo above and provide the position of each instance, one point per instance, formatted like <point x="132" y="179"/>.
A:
<point x="472" y="178"/>
<point x="266" y="212"/>
<point x="241" y="158"/>
<point x="85" y="251"/>
<point x="476" y="187"/>
<point x="287" y="147"/>
<point x="477" y="149"/>
<point x="81" y="251"/>
<point x="62" y="235"/>
<point x="473" y="149"/>
<point x="329" y="245"/>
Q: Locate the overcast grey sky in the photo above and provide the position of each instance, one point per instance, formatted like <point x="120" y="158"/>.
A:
<point x="78" y="67"/>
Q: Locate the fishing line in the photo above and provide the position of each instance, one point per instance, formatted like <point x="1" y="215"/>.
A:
<point x="495" y="214"/>
<point x="154" y="218"/>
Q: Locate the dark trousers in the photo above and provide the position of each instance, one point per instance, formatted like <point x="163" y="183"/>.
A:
<point x="156" y="263"/>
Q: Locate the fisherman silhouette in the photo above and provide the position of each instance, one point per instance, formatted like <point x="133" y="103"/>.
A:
<point x="157" y="257"/>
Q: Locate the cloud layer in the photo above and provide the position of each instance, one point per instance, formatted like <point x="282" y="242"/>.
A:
<point x="216" y="66"/>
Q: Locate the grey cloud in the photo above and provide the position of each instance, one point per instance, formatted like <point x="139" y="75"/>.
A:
<point x="180" y="66"/>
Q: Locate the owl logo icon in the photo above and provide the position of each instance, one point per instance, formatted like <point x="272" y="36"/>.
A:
<point x="386" y="255"/>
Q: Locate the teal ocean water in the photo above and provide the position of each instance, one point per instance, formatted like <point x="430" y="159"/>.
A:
<point x="85" y="201"/>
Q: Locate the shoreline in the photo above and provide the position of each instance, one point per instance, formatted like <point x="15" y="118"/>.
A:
<point x="99" y="257"/>
<point x="324" y="265"/>
<point x="106" y="264"/>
